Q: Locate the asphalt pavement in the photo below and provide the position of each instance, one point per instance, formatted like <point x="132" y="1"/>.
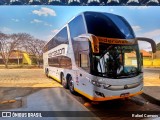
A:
<point x="56" y="99"/>
<point x="152" y="90"/>
<point x="54" y="103"/>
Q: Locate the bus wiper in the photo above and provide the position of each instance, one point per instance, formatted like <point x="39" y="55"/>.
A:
<point x="132" y="73"/>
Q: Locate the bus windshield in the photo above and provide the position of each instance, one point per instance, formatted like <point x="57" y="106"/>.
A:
<point x="116" y="61"/>
<point x="108" y="25"/>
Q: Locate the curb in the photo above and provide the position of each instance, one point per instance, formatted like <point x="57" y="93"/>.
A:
<point x="7" y="101"/>
<point x="151" y="99"/>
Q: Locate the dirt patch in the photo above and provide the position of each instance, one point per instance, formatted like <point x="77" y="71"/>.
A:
<point x="25" y="78"/>
<point x="151" y="79"/>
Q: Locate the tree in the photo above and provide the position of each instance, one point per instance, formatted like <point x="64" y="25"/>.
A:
<point x="158" y="46"/>
<point x="35" y="47"/>
<point x="10" y="43"/>
<point x="20" y="41"/>
<point x="4" y="48"/>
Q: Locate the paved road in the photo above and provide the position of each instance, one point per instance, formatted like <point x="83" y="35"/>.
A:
<point x="46" y="99"/>
<point x="151" y="71"/>
<point x="151" y="77"/>
<point x="59" y="99"/>
<point x="53" y="99"/>
<point x="108" y="109"/>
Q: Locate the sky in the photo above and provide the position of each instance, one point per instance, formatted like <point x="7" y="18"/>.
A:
<point x="44" y="21"/>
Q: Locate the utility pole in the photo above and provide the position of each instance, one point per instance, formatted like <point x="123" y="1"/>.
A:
<point x="0" y="46"/>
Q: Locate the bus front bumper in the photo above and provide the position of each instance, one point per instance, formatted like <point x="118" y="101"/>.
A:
<point x="100" y="94"/>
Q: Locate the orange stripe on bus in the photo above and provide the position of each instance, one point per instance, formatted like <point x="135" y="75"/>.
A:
<point x="113" y="40"/>
<point x="106" y="98"/>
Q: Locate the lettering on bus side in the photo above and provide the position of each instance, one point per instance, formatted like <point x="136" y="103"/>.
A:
<point x="57" y="52"/>
<point x="113" y="41"/>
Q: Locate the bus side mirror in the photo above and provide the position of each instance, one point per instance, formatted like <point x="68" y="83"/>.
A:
<point x="152" y="42"/>
<point x="141" y="58"/>
<point x="94" y="41"/>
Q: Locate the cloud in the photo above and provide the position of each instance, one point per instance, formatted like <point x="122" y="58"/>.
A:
<point x="144" y="45"/>
<point x="36" y="21"/>
<point x="35" y="6"/>
<point x="46" y="24"/>
<point x="136" y="28"/>
<point x="152" y="34"/>
<point x="5" y="29"/>
<point x="111" y="10"/>
<point x="44" y="12"/>
<point x="40" y="21"/>
<point x="54" y="31"/>
<point x="15" y="20"/>
<point x="51" y="35"/>
<point x="138" y="7"/>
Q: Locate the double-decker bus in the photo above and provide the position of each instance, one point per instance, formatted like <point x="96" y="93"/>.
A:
<point x="97" y="55"/>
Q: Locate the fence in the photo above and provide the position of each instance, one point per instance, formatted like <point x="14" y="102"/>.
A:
<point x="151" y="63"/>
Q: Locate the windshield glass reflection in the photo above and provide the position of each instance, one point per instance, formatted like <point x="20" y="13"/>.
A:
<point x="117" y="61"/>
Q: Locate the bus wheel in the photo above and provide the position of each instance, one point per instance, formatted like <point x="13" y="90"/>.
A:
<point x="71" y="85"/>
<point x="47" y="72"/>
<point x="64" y="81"/>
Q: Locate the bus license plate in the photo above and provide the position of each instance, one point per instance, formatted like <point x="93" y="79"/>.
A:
<point x="124" y="95"/>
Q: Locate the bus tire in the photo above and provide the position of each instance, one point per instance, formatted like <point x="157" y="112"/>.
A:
<point x="71" y="85"/>
<point x="47" y="72"/>
<point x="64" y="81"/>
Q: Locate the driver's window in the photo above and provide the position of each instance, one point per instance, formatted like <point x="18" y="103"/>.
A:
<point x="84" y="61"/>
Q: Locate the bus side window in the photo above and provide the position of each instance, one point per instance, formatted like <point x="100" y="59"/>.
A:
<point x="77" y="27"/>
<point x="84" y="61"/>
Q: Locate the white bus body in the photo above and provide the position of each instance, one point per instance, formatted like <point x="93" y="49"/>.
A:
<point x="70" y="57"/>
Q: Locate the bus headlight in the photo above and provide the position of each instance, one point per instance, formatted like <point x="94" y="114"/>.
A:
<point x="105" y="86"/>
<point x="99" y="84"/>
<point x="95" y="83"/>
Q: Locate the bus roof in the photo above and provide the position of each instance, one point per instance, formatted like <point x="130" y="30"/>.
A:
<point x="82" y="13"/>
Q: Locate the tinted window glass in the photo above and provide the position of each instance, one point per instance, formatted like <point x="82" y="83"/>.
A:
<point x="77" y="27"/>
<point x="78" y="47"/>
<point x="53" y="62"/>
<point x="122" y="24"/>
<point x="101" y="25"/>
<point x="65" y="62"/>
<point x="60" y="38"/>
<point x="60" y="61"/>
<point x="84" y="61"/>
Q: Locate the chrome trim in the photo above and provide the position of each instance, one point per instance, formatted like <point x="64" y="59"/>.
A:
<point x="123" y="87"/>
